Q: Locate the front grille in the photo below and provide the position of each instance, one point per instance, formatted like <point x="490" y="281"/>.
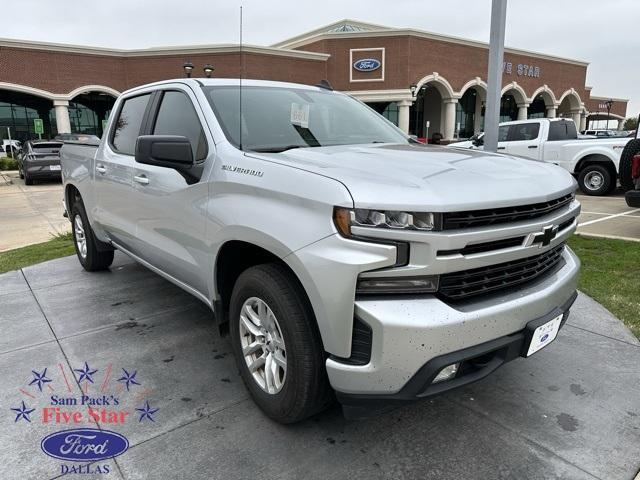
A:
<point x="469" y="283"/>
<point x="480" y="218"/>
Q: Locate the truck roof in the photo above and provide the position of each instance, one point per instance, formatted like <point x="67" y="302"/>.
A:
<point x="537" y="120"/>
<point x="200" y="82"/>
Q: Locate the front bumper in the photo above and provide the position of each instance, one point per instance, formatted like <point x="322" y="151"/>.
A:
<point x="409" y="333"/>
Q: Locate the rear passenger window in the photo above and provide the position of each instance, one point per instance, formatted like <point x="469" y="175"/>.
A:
<point x="524" y="131"/>
<point x="503" y="133"/>
<point x="128" y="125"/>
<point x="562" y="130"/>
<point x="177" y="116"/>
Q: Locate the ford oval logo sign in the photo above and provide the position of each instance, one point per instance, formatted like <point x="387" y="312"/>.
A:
<point x="84" y="445"/>
<point x="367" y="64"/>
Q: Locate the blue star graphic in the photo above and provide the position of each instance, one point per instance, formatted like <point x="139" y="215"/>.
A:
<point x="85" y="374"/>
<point x="39" y="378"/>
<point x="128" y="378"/>
<point x="23" y="412"/>
<point x="147" y="412"/>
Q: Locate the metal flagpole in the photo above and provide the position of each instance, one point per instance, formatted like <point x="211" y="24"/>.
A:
<point x="494" y="74"/>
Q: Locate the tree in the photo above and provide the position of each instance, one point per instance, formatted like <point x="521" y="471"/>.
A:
<point x="630" y="124"/>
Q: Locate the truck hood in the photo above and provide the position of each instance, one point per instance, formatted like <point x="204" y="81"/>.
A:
<point x="420" y="177"/>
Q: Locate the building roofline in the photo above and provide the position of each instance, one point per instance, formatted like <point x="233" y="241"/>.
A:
<point x="382" y="31"/>
<point x="160" y="51"/>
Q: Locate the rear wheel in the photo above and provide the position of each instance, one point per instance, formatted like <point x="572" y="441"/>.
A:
<point x="276" y="344"/>
<point x="91" y="257"/>
<point x="20" y="172"/>
<point x="27" y="179"/>
<point x="631" y="148"/>
<point x="595" y="179"/>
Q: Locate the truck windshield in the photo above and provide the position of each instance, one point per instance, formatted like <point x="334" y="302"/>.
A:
<point x="276" y="119"/>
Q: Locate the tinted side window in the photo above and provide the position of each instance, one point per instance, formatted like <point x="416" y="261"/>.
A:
<point x="128" y="125"/>
<point x="503" y="133"/>
<point x="177" y="116"/>
<point x="524" y="131"/>
<point x="562" y="130"/>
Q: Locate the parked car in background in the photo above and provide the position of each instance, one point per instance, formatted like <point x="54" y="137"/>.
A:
<point x="340" y="255"/>
<point x="600" y="133"/>
<point x="594" y="162"/>
<point x="12" y="145"/>
<point x="39" y="159"/>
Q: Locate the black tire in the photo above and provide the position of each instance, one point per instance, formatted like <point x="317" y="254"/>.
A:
<point x="27" y="179"/>
<point x="20" y="172"/>
<point x="94" y="258"/>
<point x="305" y="389"/>
<point x="631" y="148"/>
<point x="595" y="180"/>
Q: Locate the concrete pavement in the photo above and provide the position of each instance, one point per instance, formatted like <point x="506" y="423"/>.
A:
<point x="29" y="214"/>
<point x="571" y="411"/>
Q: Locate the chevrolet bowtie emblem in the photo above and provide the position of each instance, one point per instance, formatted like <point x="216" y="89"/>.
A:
<point x="543" y="239"/>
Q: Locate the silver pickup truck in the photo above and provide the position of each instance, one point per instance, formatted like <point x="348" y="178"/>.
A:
<point x="344" y="259"/>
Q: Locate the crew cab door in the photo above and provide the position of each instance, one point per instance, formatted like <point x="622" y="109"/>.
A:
<point x="524" y="139"/>
<point x="170" y="206"/>
<point x="114" y="171"/>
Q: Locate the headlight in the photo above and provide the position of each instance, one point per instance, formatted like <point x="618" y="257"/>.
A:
<point x="345" y="218"/>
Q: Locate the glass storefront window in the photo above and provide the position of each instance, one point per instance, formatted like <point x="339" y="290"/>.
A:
<point x="18" y="110"/>
<point x="388" y="110"/>
<point x="508" y="108"/>
<point x="537" y="109"/>
<point x="465" y="113"/>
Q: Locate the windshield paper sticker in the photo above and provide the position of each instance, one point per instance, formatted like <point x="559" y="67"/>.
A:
<point x="300" y="115"/>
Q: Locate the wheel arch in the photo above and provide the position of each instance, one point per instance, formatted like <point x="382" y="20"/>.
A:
<point x="235" y="256"/>
<point x="596" y="158"/>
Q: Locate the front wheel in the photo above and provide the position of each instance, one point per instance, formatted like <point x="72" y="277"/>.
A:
<point x="86" y="244"/>
<point x="276" y="344"/>
<point x="595" y="180"/>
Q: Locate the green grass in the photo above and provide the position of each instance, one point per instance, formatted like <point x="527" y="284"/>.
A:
<point x="611" y="275"/>
<point x="58" y="246"/>
<point x="610" y="270"/>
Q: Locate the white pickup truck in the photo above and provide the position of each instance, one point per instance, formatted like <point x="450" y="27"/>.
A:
<point x="594" y="162"/>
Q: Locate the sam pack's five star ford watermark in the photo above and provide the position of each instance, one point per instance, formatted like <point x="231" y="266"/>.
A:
<point x="77" y="404"/>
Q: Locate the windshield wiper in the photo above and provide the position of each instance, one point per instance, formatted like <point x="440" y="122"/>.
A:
<point x="276" y="149"/>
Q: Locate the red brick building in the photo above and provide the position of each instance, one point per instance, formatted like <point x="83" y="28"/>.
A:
<point x="423" y="82"/>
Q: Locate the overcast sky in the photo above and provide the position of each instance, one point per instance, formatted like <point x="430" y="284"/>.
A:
<point x="604" y="33"/>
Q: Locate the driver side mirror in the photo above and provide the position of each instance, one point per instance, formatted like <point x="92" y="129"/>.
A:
<point x="170" y="151"/>
<point x="478" y="142"/>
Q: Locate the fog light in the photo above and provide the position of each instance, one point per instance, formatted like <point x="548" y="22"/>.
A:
<point x="397" y="285"/>
<point x="447" y="373"/>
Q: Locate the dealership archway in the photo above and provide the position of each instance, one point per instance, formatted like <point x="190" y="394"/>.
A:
<point x="18" y="111"/>
<point x="433" y="111"/>
<point x="82" y="110"/>
<point x="89" y="111"/>
<point x="570" y="106"/>
<point x="470" y="108"/>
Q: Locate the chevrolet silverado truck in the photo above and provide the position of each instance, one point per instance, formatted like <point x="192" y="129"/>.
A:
<point x="342" y="258"/>
<point x="594" y="162"/>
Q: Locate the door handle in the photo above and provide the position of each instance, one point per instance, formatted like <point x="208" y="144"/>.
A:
<point x="141" y="179"/>
<point x="532" y="146"/>
<point x="500" y="148"/>
<point x="101" y="170"/>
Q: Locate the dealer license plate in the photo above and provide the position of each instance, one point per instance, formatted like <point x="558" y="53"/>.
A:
<point x="54" y="167"/>
<point x="544" y="335"/>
